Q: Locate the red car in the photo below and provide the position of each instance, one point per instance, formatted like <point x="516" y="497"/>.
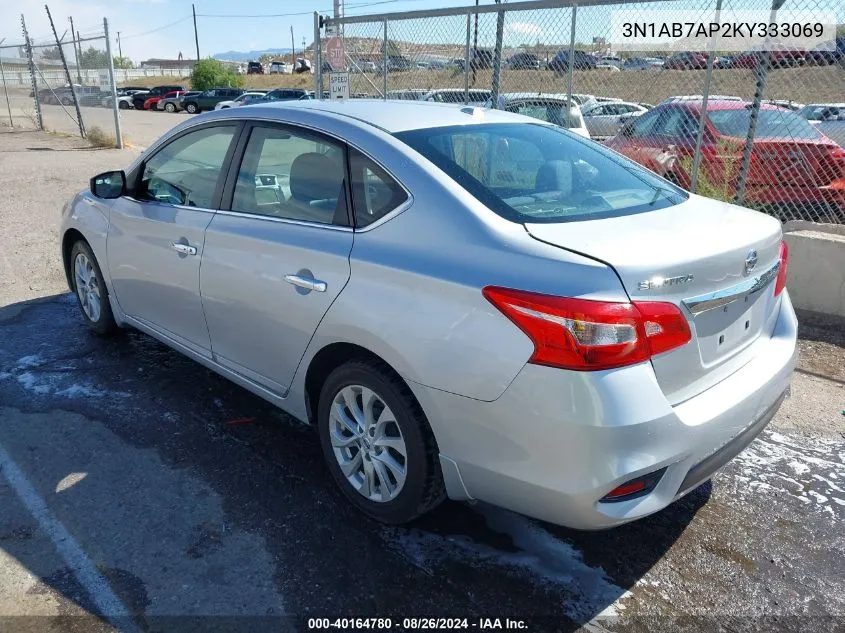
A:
<point x="686" y="61"/>
<point x="782" y="57"/>
<point x="793" y="166"/>
<point x="150" y="104"/>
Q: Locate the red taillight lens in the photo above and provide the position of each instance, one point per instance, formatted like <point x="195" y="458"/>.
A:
<point x="780" y="283"/>
<point x="590" y="335"/>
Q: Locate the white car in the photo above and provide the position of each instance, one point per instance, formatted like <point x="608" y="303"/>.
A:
<point x="608" y="68"/>
<point x="609" y="60"/>
<point x="245" y="99"/>
<point x="545" y="107"/>
<point x="605" y="119"/>
<point x="280" y="68"/>
<point x="457" y="95"/>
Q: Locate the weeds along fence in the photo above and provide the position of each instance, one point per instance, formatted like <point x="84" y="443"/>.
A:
<point x="517" y="55"/>
<point x="61" y="83"/>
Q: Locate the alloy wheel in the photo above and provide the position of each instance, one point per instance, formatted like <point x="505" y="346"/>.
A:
<point x="87" y="287"/>
<point x="367" y="443"/>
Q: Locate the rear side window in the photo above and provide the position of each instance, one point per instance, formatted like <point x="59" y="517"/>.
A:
<point x="374" y="192"/>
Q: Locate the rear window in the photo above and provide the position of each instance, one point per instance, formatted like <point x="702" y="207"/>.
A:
<point x="539" y="173"/>
<point x="770" y="124"/>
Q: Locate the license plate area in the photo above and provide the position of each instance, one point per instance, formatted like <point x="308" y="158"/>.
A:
<point x="727" y="329"/>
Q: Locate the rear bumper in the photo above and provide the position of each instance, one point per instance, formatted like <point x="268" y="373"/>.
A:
<point x="556" y="441"/>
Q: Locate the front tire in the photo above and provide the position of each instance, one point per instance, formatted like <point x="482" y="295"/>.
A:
<point x="170" y="107"/>
<point x="377" y="443"/>
<point x="123" y="105"/>
<point x="192" y="108"/>
<point x="90" y="289"/>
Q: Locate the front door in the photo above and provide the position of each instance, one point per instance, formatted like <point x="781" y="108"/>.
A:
<point x="275" y="262"/>
<point x="156" y="235"/>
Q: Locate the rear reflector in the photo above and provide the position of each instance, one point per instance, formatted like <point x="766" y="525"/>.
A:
<point x="780" y="284"/>
<point x="635" y="488"/>
<point x="590" y="335"/>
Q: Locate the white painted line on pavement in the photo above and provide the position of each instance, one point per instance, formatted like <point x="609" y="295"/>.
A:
<point x="86" y="573"/>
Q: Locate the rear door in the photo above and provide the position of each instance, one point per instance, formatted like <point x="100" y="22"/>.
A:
<point x="156" y="235"/>
<point x="278" y="255"/>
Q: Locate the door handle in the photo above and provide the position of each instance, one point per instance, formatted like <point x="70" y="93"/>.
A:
<point x="305" y="282"/>
<point x="184" y="249"/>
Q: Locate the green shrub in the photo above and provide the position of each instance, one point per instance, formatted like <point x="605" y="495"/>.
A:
<point x="211" y="73"/>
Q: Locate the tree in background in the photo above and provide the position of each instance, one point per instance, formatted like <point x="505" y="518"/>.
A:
<point x="94" y="58"/>
<point x="123" y="62"/>
<point x="51" y="53"/>
<point x="212" y="73"/>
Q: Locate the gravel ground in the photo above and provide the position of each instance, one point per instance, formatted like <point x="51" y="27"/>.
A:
<point x="186" y="496"/>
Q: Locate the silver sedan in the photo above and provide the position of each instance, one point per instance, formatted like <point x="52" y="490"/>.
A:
<point x="604" y="120"/>
<point x="466" y="303"/>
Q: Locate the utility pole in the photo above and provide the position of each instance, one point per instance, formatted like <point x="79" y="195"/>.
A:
<point x="75" y="54"/>
<point x="292" y="49"/>
<point x="67" y="73"/>
<point x="119" y="50"/>
<point x="196" y="37"/>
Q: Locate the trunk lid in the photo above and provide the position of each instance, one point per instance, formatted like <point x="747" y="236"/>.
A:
<point x="684" y="254"/>
<point x="782" y="162"/>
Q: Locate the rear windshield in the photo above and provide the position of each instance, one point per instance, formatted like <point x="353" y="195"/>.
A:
<point x="540" y="173"/>
<point x="770" y="124"/>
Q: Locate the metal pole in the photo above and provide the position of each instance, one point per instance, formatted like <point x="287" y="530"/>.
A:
<point x="474" y="47"/>
<point x="32" y="73"/>
<point x="571" y="56"/>
<point x="318" y="72"/>
<point x="497" y="58"/>
<point x="73" y="44"/>
<point x="115" y="107"/>
<point x="384" y="62"/>
<point x="292" y="48"/>
<point x="466" y="56"/>
<point x="196" y="35"/>
<point x="711" y="55"/>
<point x="6" y="92"/>
<point x="119" y="50"/>
<point x="67" y="74"/>
<point x="761" y="71"/>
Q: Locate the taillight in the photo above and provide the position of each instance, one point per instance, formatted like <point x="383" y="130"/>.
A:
<point x="780" y="283"/>
<point x="589" y="335"/>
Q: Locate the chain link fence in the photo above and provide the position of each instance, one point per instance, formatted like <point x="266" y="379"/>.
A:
<point x="762" y="129"/>
<point x="62" y="84"/>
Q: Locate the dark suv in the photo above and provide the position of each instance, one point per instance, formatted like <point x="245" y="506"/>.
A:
<point x="159" y="91"/>
<point x="284" y="94"/>
<point x="210" y="98"/>
<point x="254" y="68"/>
<point x="580" y="60"/>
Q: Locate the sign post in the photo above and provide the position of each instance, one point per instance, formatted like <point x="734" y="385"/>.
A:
<point x="339" y="86"/>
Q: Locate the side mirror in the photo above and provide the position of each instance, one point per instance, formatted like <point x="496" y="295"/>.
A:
<point x="109" y="185"/>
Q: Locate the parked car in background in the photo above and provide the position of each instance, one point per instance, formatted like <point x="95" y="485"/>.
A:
<point x="208" y="99"/>
<point x="467" y="307"/>
<point x="254" y="68"/>
<point x="642" y="63"/>
<point x="793" y="166"/>
<point x="152" y="102"/>
<point x="280" y="68"/>
<point x="552" y="108"/>
<point x="158" y="91"/>
<point x="686" y="61"/>
<point x="819" y="57"/>
<point x="124" y="97"/>
<point x="604" y="120"/>
<point x="245" y="99"/>
<point x="780" y="57"/>
<point x="282" y="94"/>
<point x="815" y="112"/>
<point x="608" y="68"/>
<point x="87" y="95"/>
<point x="680" y="98"/>
<point x="302" y="65"/>
<point x="481" y="58"/>
<point x="610" y="60"/>
<point x="175" y="103"/>
<point x="410" y="94"/>
<point x="456" y="95"/>
<point x="785" y="103"/>
<point x="580" y="61"/>
<point x="523" y="61"/>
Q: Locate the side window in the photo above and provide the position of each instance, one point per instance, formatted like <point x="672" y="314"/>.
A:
<point x="646" y="125"/>
<point x="374" y="192"/>
<point x="186" y="170"/>
<point x="680" y="125"/>
<point x="291" y="174"/>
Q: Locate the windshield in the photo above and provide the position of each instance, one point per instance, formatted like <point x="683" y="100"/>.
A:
<point x="770" y="124"/>
<point x="540" y="173"/>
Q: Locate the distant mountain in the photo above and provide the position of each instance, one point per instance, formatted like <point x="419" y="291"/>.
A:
<point x="245" y="56"/>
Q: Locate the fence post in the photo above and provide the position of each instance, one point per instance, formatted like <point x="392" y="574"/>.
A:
<point x="497" y="58"/>
<point x="67" y="74"/>
<point x="32" y="74"/>
<point x="6" y="92"/>
<point x="117" y="131"/>
<point x="702" y="119"/>
<point x="384" y="62"/>
<point x="761" y="71"/>
<point x="318" y="59"/>
<point x="571" y="56"/>
<point x="466" y="58"/>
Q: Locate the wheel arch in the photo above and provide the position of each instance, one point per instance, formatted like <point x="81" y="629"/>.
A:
<point x="71" y="237"/>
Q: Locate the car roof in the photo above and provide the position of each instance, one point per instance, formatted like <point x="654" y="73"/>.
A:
<point x="721" y="104"/>
<point x="518" y="96"/>
<point x="390" y="116"/>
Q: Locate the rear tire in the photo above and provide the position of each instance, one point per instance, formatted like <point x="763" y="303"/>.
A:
<point x="90" y="289"/>
<point x="368" y="419"/>
<point x="122" y="105"/>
